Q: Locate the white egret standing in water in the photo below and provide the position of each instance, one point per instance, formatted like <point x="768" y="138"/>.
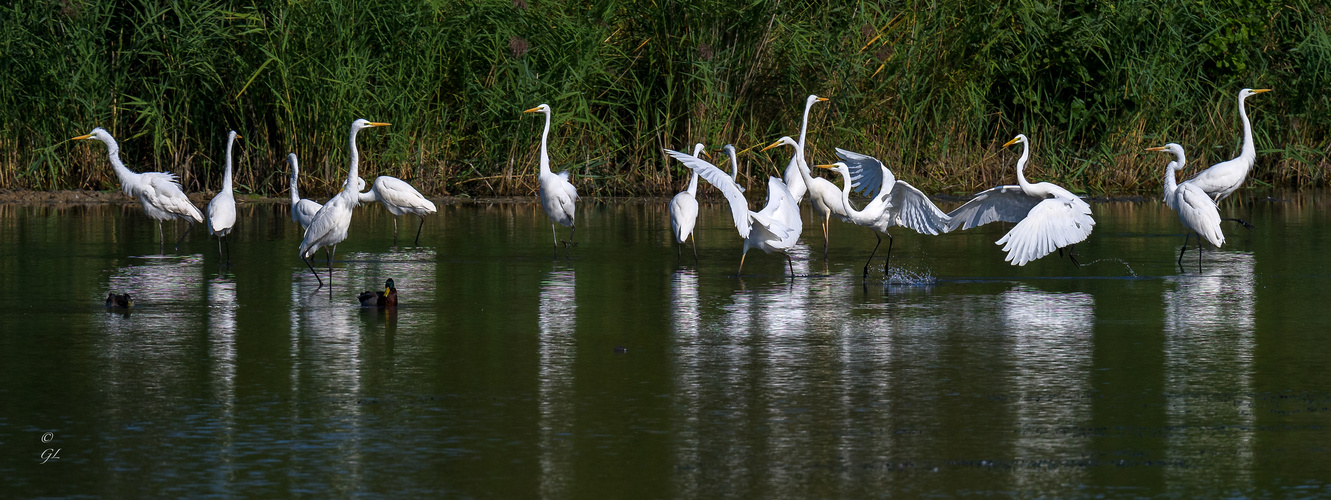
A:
<point x="158" y="192"/>
<point x="892" y="202"/>
<point x="303" y="209"/>
<point x="1195" y="209"/>
<point x="399" y="198"/>
<point x="824" y="196"/>
<point x="793" y="179"/>
<point x="557" y="194"/>
<point x="222" y="208"/>
<point x="330" y="224"/>
<point x="773" y="229"/>
<point x="1222" y="179"/>
<point x="684" y="212"/>
<point x="1048" y="217"/>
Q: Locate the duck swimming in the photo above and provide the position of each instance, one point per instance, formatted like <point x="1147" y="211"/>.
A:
<point x="119" y="300"/>
<point x="386" y="298"/>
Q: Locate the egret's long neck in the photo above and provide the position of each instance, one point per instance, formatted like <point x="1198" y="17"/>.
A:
<point x="693" y="184"/>
<point x="803" y="167"/>
<point x="1170" y="183"/>
<point x="226" y="174"/>
<point x="545" y="137"/>
<point x="734" y="165"/>
<point x="352" y="174"/>
<point x="804" y="126"/>
<point x="295" y="191"/>
<point x="845" y="191"/>
<point x="1021" y="165"/>
<point x="123" y="173"/>
<point x="1249" y="152"/>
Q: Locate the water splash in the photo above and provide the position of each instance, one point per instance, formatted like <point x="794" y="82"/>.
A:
<point x="906" y="277"/>
<point x="1120" y="261"/>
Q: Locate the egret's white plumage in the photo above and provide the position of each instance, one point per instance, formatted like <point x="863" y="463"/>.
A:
<point x="302" y="209"/>
<point x="684" y="211"/>
<point x="823" y="194"/>
<point x="1222" y="179"/>
<point x="793" y="179"/>
<point x="557" y="194"/>
<point x="1048" y="217"/>
<point x="1196" y="211"/>
<point x="891" y="203"/>
<point x="773" y="229"/>
<point x="734" y="164"/>
<point x="399" y="198"/>
<point x="331" y="222"/>
<point x="158" y="192"/>
<point x="222" y="208"/>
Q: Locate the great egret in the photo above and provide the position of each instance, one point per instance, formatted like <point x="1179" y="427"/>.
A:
<point x="303" y="209"/>
<point x="793" y="179"/>
<point x="823" y="194"/>
<point x="557" y="193"/>
<point x="1048" y="217"/>
<point x="734" y="164"/>
<point x="1195" y="209"/>
<point x="158" y="192"/>
<point x="222" y="209"/>
<point x="1222" y="179"/>
<point x="773" y="229"/>
<point x="399" y="198"/>
<point x="330" y="223"/>
<point x="892" y="202"/>
<point x="384" y="299"/>
<point x="684" y="212"/>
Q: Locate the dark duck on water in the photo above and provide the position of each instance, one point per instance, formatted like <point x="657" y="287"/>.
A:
<point x="386" y="298"/>
<point x="119" y="300"/>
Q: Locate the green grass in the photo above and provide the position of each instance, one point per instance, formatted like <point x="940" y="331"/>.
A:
<point x="931" y="87"/>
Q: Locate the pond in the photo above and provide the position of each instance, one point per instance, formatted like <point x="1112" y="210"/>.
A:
<point x="615" y="369"/>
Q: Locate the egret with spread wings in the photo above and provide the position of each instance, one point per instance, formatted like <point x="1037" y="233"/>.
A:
<point x="1048" y="217"/>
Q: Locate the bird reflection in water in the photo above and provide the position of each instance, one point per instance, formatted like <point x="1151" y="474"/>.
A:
<point x="557" y="319"/>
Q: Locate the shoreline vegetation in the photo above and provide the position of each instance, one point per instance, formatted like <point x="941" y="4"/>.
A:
<point x="932" y="89"/>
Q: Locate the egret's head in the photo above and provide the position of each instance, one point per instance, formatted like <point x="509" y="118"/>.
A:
<point x="231" y="136"/>
<point x="360" y="184"/>
<point x="291" y="158"/>
<point x="838" y="167"/>
<point x="1176" y="149"/>
<point x="361" y="123"/>
<point x="1015" y="140"/>
<point x="544" y="108"/>
<point x="699" y="149"/>
<point x="1243" y="94"/>
<point x="729" y="149"/>
<point x="98" y="133"/>
<point x="787" y="141"/>
<point x="812" y="99"/>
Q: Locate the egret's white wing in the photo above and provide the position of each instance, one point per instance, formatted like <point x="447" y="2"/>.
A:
<point x="170" y="197"/>
<point x="304" y="211"/>
<point x="329" y="222"/>
<point x="221" y="213"/>
<point x="1221" y="178"/>
<point x="1052" y="224"/>
<point x="739" y="207"/>
<point x="866" y="172"/>
<point x="1197" y="212"/>
<point x="1005" y="203"/>
<point x="911" y="208"/>
<point x="397" y="193"/>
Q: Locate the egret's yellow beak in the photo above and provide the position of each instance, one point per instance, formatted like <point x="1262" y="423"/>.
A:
<point x="829" y="167"/>
<point x="238" y="136"/>
<point x="376" y="124"/>
<point x="705" y="153"/>
<point x="821" y="99"/>
<point x="1258" y="91"/>
<point x="533" y="110"/>
<point x="1011" y="142"/>
<point x="775" y="144"/>
<point x="81" y="137"/>
<point x="1161" y="148"/>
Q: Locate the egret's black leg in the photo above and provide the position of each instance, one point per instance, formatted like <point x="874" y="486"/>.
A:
<point x="330" y="272"/>
<point x="394" y="231"/>
<point x="888" y="262"/>
<point x="1184" y="249"/>
<point x="418" y="232"/>
<point x="1199" y="253"/>
<point x="790" y="263"/>
<point x="312" y="271"/>
<point x="161" y="239"/>
<point x="571" y="234"/>
<point x="1242" y="222"/>
<point x="182" y="235"/>
<point x="228" y="251"/>
<point x="872" y="254"/>
<point x="1072" y="255"/>
<point x="825" y="238"/>
<point x="679" y="254"/>
<point x="695" y="249"/>
<point x="556" y="239"/>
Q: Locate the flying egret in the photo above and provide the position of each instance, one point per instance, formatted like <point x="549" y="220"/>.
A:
<point x="684" y="212"/>
<point x="158" y="192"/>
<point x="793" y="179"/>
<point x="303" y="209"/>
<point x="330" y="223"/>
<point x="892" y="202"/>
<point x="222" y="208"/>
<point x="1048" y="217"/>
<point x="399" y="198"/>
<point x="1222" y="179"/>
<point x="824" y="196"/>
<point x="1195" y="209"/>
<point x="557" y="193"/>
<point x="773" y="229"/>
